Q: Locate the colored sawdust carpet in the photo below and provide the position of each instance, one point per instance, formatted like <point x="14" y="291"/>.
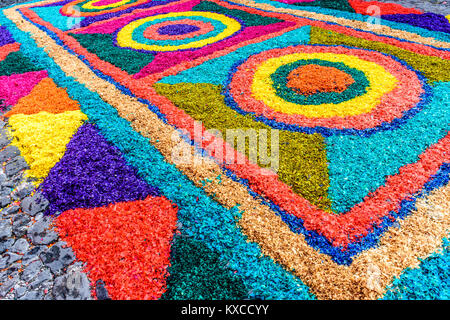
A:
<point x="233" y="149"/>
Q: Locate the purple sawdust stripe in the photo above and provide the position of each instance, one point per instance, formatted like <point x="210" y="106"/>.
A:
<point x="5" y="36"/>
<point x="91" y="174"/>
<point x="429" y="20"/>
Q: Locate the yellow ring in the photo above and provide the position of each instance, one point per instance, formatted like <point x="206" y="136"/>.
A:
<point x="124" y="37"/>
<point x="380" y="82"/>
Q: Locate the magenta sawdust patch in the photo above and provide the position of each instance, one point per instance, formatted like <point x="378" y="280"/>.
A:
<point x="16" y="86"/>
<point x="92" y="174"/>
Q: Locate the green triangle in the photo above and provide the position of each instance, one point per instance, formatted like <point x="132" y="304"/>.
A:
<point x="196" y="272"/>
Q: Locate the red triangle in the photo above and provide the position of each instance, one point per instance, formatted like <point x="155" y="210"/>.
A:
<point x="127" y="245"/>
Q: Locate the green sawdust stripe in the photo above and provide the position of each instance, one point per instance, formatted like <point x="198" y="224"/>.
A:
<point x="249" y="19"/>
<point x="102" y="45"/>
<point x="16" y="63"/>
<point x="302" y="157"/>
<point x="196" y="272"/>
<point x="434" y="68"/>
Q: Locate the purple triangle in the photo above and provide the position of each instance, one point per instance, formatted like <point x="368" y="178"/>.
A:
<point x="92" y="174"/>
<point x="5" y="36"/>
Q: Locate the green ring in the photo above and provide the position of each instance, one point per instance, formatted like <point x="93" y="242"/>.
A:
<point x="358" y="88"/>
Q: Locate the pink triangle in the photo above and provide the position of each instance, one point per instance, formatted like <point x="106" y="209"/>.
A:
<point x="16" y="86"/>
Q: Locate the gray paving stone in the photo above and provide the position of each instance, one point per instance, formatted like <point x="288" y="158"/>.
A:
<point x="14" y="268"/>
<point x="11" y="210"/>
<point x="5" y="3"/>
<point x="33" y="254"/>
<point x="44" y="276"/>
<point x="21" y="223"/>
<point x="5" y="229"/>
<point x="31" y="271"/>
<point x="4" y="141"/>
<point x="34" y="204"/>
<point x="12" y="182"/>
<point x="23" y="191"/>
<point x="57" y="257"/>
<point x="20" y="291"/>
<point x="6" y="244"/>
<point x="7" y="259"/>
<point x="4" y="201"/>
<point x="100" y="291"/>
<point x="33" y="295"/>
<point x="15" y="166"/>
<point x="72" y="286"/>
<point x="20" y="246"/>
<point x="6" y="287"/>
<point x="8" y="153"/>
<point x="41" y="232"/>
<point x="3" y="178"/>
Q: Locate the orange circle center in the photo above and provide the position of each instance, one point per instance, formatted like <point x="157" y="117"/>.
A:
<point x="310" y="79"/>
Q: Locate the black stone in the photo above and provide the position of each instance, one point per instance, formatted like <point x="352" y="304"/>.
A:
<point x="100" y="290"/>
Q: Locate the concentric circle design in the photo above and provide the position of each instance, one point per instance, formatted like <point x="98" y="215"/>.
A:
<point x="181" y="29"/>
<point x="104" y="4"/>
<point x="205" y="28"/>
<point x="358" y="82"/>
<point x="333" y="87"/>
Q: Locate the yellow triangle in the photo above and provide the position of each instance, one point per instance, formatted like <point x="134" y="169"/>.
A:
<point x="42" y="138"/>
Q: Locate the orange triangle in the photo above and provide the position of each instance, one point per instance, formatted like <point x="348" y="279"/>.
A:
<point x="45" y="96"/>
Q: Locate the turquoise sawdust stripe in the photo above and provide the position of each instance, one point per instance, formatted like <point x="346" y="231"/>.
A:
<point x="54" y="17"/>
<point x="201" y="217"/>
<point x="431" y="281"/>
<point x="221" y="65"/>
<point x="359" y="165"/>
